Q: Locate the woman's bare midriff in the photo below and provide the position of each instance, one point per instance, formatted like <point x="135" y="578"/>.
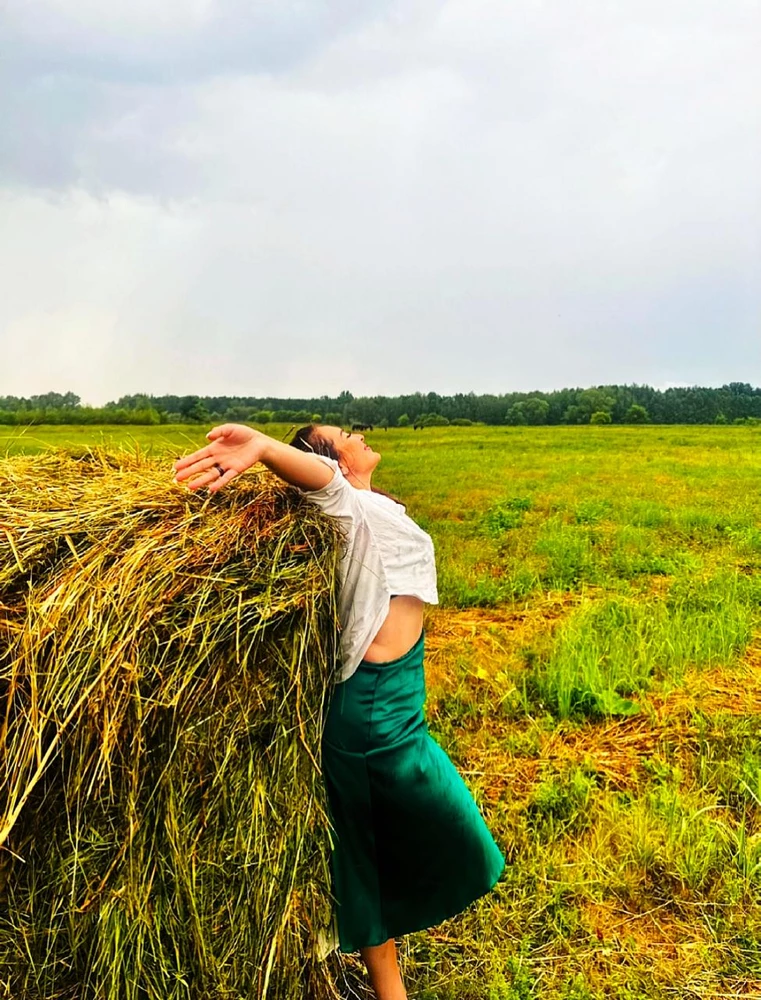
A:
<point x="399" y="632"/>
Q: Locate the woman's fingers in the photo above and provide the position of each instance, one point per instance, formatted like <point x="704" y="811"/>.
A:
<point x="185" y="471"/>
<point x="222" y="480"/>
<point x="222" y="431"/>
<point x="206" y="473"/>
<point x="212" y="479"/>
<point x="183" y="463"/>
<point x="205" y="479"/>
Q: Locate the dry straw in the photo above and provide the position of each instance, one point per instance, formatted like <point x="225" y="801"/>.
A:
<point x="164" y="661"/>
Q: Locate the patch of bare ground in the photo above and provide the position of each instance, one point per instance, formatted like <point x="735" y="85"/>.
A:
<point x="619" y="749"/>
<point x="493" y="642"/>
<point x="504" y="775"/>
<point x="616" y="751"/>
<point x="492" y="638"/>
<point x="734" y="690"/>
<point x="681" y="955"/>
<point x="674" y="946"/>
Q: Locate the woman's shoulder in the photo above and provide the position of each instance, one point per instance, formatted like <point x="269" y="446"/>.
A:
<point x="382" y="502"/>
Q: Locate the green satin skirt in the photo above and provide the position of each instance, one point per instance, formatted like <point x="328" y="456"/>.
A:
<point x="411" y="847"/>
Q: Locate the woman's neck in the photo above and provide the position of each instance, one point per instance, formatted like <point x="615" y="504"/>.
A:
<point x="360" y="482"/>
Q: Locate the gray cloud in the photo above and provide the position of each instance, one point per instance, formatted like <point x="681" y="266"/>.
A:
<point x="139" y="41"/>
<point x="455" y="195"/>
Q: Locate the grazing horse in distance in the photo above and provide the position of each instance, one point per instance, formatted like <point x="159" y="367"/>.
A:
<point x="361" y="427"/>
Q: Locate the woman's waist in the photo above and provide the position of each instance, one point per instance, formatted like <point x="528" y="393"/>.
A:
<point x="380" y="705"/>
<point x="411" y="658"/>
<point x="400" y="631"/>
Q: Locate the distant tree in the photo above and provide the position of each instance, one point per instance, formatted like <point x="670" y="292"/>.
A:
<point x="720" y="419"/>
<point x="186" y="404"/>
<point x="262" y="416"/>
<point x="403" y="420"/>
<point x="138" y="401"/>
<point x="147" y="416"/>
<point x="197" y="413"/>
<point x="237" y="414"/>
<point x="364" y="410"/>
<point x="55" y="401"/>
<point x="600" y="417"/>
<point x="461" y="422"/>
<point x="637" y="414"/>
<point x="536" y="410"/>
<point x="432" y="420"/>
<point x="595" y="400"/>
<point x="316" y="418"/>
<point x="739" y="388"/>
<point x="516" y="416"/>
<point x="334" y="418"/>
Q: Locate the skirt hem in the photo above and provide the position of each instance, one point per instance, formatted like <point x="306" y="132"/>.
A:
<point x="414" y="926"/>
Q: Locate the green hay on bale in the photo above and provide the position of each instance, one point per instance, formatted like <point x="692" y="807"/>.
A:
<point x="164" y="661"/>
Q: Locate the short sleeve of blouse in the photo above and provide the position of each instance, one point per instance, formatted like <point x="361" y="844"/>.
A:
<point x="338" y="498"/>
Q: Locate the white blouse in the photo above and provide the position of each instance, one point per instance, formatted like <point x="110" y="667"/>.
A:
<point x="385" y="553"/>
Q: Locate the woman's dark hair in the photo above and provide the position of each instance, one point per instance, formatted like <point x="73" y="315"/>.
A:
<point x="309" y="439"/>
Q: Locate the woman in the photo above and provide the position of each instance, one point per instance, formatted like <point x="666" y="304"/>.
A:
<point x="411" y="846"/>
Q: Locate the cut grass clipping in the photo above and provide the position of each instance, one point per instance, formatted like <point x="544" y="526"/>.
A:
<point x="164" y="660"/>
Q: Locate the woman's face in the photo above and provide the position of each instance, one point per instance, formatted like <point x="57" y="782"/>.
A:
<point x="357" y="458"/>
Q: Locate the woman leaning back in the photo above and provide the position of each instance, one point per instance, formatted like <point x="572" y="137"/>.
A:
<point x="411" y="847"/>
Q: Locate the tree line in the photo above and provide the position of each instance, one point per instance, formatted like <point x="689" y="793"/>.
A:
<point x="736" y="402"/>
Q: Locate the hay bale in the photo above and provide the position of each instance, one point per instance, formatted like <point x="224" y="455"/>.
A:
<point x="164" y="659"/>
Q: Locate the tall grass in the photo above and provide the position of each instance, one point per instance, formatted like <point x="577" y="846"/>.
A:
<point x="612" y="650"/>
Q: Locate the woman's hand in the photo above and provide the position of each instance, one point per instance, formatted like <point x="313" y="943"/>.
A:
<point x="233" y="449"/>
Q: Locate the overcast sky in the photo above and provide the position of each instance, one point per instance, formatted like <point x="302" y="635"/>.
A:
<point x="294" y="197"/>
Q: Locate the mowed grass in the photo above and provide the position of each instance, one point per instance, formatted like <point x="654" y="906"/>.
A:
<point x="594" y="670"/>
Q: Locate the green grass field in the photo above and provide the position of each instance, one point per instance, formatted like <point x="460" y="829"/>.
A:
<point x="594" y="671"/>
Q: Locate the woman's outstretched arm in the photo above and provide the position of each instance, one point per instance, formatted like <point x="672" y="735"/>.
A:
<point x="234" y="448"/>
